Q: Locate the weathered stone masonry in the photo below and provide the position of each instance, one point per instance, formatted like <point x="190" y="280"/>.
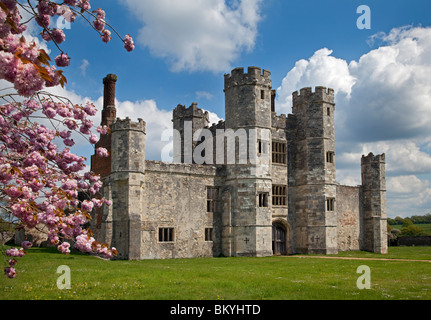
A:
<point x="283" y="199"/>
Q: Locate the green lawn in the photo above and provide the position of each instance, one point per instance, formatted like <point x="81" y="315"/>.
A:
<point x="271" y="278"/>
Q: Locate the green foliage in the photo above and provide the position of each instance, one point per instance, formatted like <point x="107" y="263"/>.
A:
<point x="412" y="230"/>
<point x="425" y="219"/>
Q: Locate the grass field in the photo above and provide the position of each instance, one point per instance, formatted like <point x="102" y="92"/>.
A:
<point x="271" y="278"/>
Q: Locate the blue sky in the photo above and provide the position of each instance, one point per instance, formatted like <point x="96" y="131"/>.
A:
<point x="184" y="47"/>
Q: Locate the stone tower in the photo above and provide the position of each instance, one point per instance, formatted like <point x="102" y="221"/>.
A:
<point x="246" y="217"/>
<point x="374" y="203"/>
<point x="313" y="171"/>
<point x="125" y="186"/>
<point x="186" y="122"/>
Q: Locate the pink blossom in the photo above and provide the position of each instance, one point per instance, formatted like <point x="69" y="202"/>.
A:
<point x="12" y="262"/>
<point x="69" y="142"/>
<point x="128" y="43"/>
<point x="90" y="109"/>
<point x="64" y="248"/>
<point x="106" y="36"/>
<point x="62" y="60"/>
<point x="14" y="252"/>
<point x="13" y="192"/>
<point x="58" y="35"/>
<point x="102" y="152"/>
<point x="26" y="244"/>
<point x="87" y="205"/>
<point x="71" y="2"/>
<point x="99" y="24"/>
<point x="102" y="130"/>
<point x="43" y="20"/>
<point x="94" y="139"/>
<point x="84" y="5"/>
<point x="84" y="243"/>
<point x="10" y="272"/>
<point x="28" y="80"/>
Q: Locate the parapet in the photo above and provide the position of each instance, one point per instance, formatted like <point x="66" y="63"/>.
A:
<point x="217" y="126"/>
<point x="370" y="158"/>
<point x="307" y="95"/>
<point x="278" y="122"/>
<point x="127" y="124"/>
<point x="191" y="112"/>
<point x="254" y="76"/>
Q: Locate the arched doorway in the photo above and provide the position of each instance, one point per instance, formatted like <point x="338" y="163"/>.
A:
<point x="278" y="239"/>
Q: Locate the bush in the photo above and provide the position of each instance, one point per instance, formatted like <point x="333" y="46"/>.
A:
<point x="412" y="230"/>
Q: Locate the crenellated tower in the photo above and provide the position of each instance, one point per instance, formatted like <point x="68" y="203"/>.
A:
<point x="125" y="186"/>
<point x="374" y="203"/>
<point x="247" y="227"/>
<point x="186" y="122"/>
<point x="313" y="171"/>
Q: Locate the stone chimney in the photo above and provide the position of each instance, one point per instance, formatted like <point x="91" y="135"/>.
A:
<point x="109" y="112"/>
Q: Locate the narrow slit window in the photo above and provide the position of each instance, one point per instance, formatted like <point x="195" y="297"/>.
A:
<point x="330" y="204"/>
<point x="330" y="157"/>
<point x="263" y="199"/>
<point x="208" y="234"/>
<point x="212" y="199"/>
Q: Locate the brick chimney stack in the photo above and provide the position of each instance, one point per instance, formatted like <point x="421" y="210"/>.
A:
<point x="109" y="113"/>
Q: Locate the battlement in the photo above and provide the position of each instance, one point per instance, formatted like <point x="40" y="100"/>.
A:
<point x="371" y="158"/>
<point x="127" y="124"/>
<point x="307" y="95"/>
<point x="191" y="112"/>
<point x="254" y="76"/>
<point x="219" y="125"/>
<point x="278" y="122"/>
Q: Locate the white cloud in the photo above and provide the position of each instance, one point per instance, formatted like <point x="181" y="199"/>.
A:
<point x="83" y="67"/>
<point x="204" y="95"/>
<point x="320" y="69"/>
<point x="197" y="34"/>
<point x="383" y="106"/>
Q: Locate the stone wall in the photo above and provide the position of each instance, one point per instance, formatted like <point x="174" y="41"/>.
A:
<point x="348" y="206"/>
<point x="176" y="197"/>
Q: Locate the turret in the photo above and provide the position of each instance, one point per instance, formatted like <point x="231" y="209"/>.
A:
<point x="374" y="203"/>
<point x="248" y="114"/>
<point x="248" y="98"/>
<point x="313" y="170"/>
<point x="186" y="122"/>
<point x="125" y="186"/>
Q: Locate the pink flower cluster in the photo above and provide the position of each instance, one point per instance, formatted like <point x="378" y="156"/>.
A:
<point x="39" y="180"/>
<point x="14" y="252"/>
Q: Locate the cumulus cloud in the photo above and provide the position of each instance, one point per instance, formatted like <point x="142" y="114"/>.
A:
<point x="197" y="34"/>
<point x="320" y="69"/>
<point x="383" y="104"/>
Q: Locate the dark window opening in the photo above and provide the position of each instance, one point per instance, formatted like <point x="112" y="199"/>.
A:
<point x="330" y="204"/>
<point x="263" y="199"/>
<point x="279" y="195"/>
<point x="212" y="199"/>
<point x="279" y="152"/>
<point x="166" y="234"/>
<point x="208" y="234"/>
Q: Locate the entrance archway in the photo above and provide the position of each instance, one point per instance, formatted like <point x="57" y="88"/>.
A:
<point x="278" y="239"/>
